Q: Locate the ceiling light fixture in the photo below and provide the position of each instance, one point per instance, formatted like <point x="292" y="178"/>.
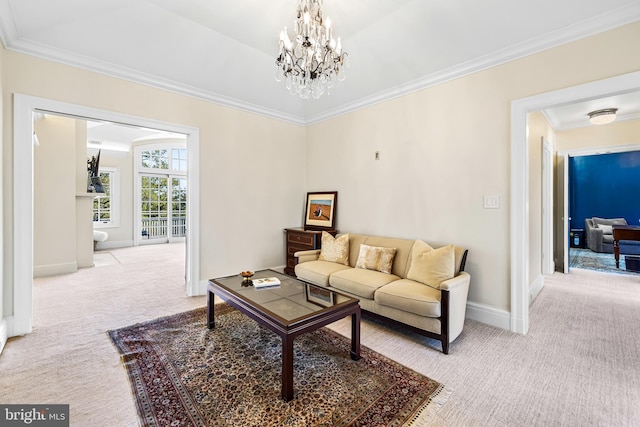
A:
<point x="314" y="61"/>
<point x="602" y="117"/>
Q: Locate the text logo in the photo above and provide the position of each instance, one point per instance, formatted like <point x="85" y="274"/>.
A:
<point x="34" y="415"/>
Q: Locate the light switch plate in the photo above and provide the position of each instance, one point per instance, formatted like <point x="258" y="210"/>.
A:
<point x="492" y="202"/>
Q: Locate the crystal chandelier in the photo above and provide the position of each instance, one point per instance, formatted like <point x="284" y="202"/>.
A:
<point x="314" y="61"/>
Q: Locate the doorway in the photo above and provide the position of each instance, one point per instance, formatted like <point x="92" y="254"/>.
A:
<point x="22" y="268"/>
<point x="601" y="180"/>
<point x="520" y="292"/>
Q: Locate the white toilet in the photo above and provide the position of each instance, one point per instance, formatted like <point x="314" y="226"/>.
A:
<point x="99" y="236"/>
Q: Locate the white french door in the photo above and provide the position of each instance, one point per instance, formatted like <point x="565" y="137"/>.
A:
<point x="163" y="208"/>
<point x="160" y="195"/>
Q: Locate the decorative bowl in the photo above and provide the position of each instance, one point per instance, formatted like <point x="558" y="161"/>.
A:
<point x="246" y="278"/>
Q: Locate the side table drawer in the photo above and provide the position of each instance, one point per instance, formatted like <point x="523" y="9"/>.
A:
<point x="306" y="240"/>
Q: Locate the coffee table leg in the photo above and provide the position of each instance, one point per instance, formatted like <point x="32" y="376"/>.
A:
<point x="355" y="335"/>
<point x="211" y="318"/>
<point x="287" y="368"/>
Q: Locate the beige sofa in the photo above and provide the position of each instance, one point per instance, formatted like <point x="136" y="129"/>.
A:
<point x="436" y="310"/>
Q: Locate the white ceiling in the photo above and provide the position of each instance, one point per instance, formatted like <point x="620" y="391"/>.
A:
<point x="118" y="137"/>
<point x="224" y="50"/>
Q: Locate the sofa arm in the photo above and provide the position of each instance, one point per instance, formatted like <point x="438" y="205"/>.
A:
<point x="458" y="289"/>
<point x="595" y="239"/>
<point x="304" y="256"/>
<point x="462" y="279"/>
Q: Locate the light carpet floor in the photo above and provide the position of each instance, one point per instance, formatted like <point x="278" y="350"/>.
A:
<point x="578" y="365"/>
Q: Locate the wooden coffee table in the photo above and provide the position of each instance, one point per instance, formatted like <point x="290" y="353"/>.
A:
<point x="289" y="310"/>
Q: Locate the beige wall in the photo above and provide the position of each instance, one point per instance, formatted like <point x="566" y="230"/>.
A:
<point x="613" y="134"/>
<point x="445" y="147"/>
<point x="63" y="233"/>
<point x="54" y="197"/>
<point x="235" y="146"/>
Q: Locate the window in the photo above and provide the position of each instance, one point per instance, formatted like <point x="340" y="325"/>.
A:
<point x="155" y="159"/>
<point x="167" y="159"/>
<point x="179" y="159"/>
<point x="106" y="205"/>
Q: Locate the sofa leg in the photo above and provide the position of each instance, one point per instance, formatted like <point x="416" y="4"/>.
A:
<point x="445" y="346"/>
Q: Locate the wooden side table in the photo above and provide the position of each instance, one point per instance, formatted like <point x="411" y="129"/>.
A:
<point x="299" y="239"/>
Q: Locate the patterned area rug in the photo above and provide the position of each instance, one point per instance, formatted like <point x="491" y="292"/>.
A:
<point x="589" y="260"/>
<point x="183" y="374"/>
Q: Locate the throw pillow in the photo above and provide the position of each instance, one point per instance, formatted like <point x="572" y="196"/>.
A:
<point x="432" y="266"/>
<point x="376" y="258"/>
<point x="606" y="229"/>
<point x="335" y="249"/>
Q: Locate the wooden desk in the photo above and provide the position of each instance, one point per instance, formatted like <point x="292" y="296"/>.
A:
<point x="623" y="232"/>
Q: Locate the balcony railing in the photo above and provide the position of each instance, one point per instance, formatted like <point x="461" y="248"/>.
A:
<point x="158" y="227"/>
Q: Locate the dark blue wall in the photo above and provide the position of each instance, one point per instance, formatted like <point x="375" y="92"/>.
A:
<point x="606" y="186"/>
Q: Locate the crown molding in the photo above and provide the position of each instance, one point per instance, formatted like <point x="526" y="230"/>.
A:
<point x="615" y="18"/>
<point x="42" y="51"/>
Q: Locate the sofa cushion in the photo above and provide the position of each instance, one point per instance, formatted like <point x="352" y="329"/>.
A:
<point x="606" y="221"/>
<point x="606" y="229"/>
<point x="432" y="266"/>
<point x="410" y="296"/>
<point x="376" y="258"/>
<point x="360" y="282"/>
<point x="318" y="272"/>
<point x="335" y="249"/>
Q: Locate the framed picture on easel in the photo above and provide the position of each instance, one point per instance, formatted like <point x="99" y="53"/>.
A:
<point x="320" y="212"/>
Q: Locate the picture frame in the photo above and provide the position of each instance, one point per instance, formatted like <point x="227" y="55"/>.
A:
<point x="318" y="295"/>
<point x="320" y="210"/>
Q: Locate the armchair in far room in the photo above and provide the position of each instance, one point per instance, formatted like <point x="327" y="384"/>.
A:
<point x="599" y="233"/>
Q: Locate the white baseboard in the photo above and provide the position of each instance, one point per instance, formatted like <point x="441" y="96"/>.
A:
<point x="55" y="269"/>
<point x="535" y="288"/>
<point x="201" y="289"/>
<point x="488" y="315"/>
<point x="114" y="244"/>
<point x="479" y="312"/>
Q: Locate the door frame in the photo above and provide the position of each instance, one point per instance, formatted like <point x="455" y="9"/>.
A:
<point x="548" y="264"/>
<point x="23" y="108"/>
<point x="519" y="227"/>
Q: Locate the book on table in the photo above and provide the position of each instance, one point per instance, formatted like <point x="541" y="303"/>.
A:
<point x="267" y="282"/>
